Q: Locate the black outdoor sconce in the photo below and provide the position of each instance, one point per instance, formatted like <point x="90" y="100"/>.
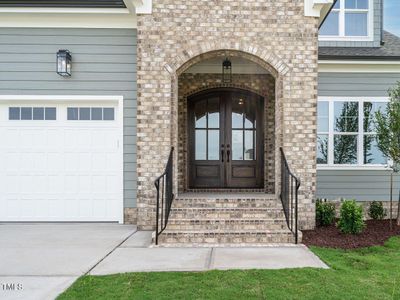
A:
<point x="226" y="71"/>
<point x="64" y="63"/>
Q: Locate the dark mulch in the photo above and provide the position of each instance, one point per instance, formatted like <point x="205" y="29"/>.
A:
<point x="377" y="232"/>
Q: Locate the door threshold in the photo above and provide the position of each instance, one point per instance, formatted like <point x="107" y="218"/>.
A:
<point x="225" y="190"/>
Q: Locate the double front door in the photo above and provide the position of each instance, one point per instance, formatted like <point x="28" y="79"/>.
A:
<point x="226" y="140"/>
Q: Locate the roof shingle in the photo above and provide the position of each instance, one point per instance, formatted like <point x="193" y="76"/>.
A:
<point x="389" y="51"/>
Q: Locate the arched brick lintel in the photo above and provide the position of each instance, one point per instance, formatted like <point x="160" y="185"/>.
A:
<point x="266" y="59"/>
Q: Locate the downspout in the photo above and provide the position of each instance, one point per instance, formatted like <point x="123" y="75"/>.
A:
<point x="323" y="21"/>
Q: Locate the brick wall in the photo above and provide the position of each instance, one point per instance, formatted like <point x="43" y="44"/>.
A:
<point x="272" y="33"/>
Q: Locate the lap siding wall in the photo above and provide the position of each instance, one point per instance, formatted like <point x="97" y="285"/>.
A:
<point x="104" y="63"/>
<point x="361" y="185"/>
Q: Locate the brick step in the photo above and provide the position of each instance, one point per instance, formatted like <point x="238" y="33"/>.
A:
<point x="225" y="237"/>
<point x="227" y="213"/>
<point x="225" y="203"/>
<point x="226" y="224"/>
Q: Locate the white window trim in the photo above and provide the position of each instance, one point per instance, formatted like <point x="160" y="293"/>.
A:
<point x="342" y="36"/>
<point x="360" y="134"/>
<point x="74" y="100"/>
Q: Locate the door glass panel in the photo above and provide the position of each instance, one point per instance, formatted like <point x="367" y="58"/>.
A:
<point x="213" y="113"/>
<point x="249" y="150"/>
<point x="250" y="116"/>
<point x="237" y="112"/>
<point x="201" y="144"/>
<point x="26" y="113"/>
<point x="213" y="144"/>
<point x="201" y="114"/>
<point x="237" y="145"/>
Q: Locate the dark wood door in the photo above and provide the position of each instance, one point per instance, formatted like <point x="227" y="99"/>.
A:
<point x="226" y="140"/>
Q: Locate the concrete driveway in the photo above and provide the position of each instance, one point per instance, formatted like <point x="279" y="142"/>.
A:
<point x="39" y="261"/>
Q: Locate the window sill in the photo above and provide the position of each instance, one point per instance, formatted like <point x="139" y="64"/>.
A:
<point x="345" y="39"/>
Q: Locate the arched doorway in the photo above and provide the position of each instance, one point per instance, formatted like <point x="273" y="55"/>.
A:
<point x="226" y="139"/>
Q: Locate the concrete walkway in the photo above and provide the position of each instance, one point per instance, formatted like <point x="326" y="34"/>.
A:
<point x="134" y="255"/>
<point x="39" y="261"/>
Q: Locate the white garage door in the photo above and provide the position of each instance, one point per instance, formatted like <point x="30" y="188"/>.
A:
<point x="61" y="161"/>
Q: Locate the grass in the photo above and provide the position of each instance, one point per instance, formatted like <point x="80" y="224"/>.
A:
<point x="368" y="273"/>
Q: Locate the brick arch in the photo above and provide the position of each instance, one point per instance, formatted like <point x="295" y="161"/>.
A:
<point x="194" y="54"/>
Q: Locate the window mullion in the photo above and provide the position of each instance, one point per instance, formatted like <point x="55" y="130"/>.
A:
<point x="342" y="19"/>
<point x="360" y="139"/>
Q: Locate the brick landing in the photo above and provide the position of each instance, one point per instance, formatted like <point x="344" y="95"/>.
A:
<point x="200" y="219"/>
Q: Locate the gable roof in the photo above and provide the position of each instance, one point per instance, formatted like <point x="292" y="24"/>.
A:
<point x="63" y="3"/>
<point x="390" y="50"/>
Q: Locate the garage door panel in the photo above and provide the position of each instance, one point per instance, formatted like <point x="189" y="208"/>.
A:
<point x="60" y="170"/>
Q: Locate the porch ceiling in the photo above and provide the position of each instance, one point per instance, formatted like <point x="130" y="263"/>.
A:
<point x="239" y="66"/>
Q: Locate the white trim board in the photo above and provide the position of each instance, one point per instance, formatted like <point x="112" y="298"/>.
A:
<point x="68" y="20"/>
<point x="332" y="66"/>
<point x="61" y="98"/>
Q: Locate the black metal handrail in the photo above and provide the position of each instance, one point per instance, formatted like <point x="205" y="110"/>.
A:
<point x="165" y="196"/>
<point x="290" y="185"/>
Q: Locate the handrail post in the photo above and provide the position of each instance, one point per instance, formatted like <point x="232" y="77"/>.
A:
<point x="167" y="196"/>
<point x="290" y="185"/>
<point x="296" y="217"/>
<point x="157" y="184"/>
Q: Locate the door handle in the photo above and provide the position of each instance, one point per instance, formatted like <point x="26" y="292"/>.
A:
<point x="222" y="152"/>
<point x="228" y="152"/>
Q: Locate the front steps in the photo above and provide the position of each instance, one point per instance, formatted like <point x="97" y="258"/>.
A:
<point x="217" y="218"/>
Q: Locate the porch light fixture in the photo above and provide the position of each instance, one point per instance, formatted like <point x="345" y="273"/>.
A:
<point x="64" y="63"/>
<point x="226" y="71"/>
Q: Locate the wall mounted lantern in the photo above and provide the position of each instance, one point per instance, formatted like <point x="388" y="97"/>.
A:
<point x="226" y="71"/>
<point x="64" y="63"/>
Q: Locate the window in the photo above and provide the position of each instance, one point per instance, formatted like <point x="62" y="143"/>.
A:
<point x="346" y="132"/>
<point x="32" y="113"/>
<point x="90" y="113"/>
<point x="348" y="18"/>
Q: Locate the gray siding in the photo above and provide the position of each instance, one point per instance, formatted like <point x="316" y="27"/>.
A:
<point x="104" y="63"/>
<point x="356" y="84"/>
<point x="376" y="34"/>
<point x="362" y="185"/>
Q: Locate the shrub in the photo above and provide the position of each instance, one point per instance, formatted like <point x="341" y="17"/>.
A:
<point x="376" y="210"/>
<point x="351" y="217"/>
<point x="325" y="213"/>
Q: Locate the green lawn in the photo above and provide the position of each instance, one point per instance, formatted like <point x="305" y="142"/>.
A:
<point x="369" y="273"/>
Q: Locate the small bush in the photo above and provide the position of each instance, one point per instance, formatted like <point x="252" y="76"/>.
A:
<point x="376" y="210"/>
<point x="325" y="213"/>
<point x="351" y="217"/>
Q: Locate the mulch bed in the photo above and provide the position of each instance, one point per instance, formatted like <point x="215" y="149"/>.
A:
<point x="377" y="232"/>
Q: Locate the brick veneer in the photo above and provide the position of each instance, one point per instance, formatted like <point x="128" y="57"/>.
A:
<point x="272" y="33"/>
<point x="262" y="84"/>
